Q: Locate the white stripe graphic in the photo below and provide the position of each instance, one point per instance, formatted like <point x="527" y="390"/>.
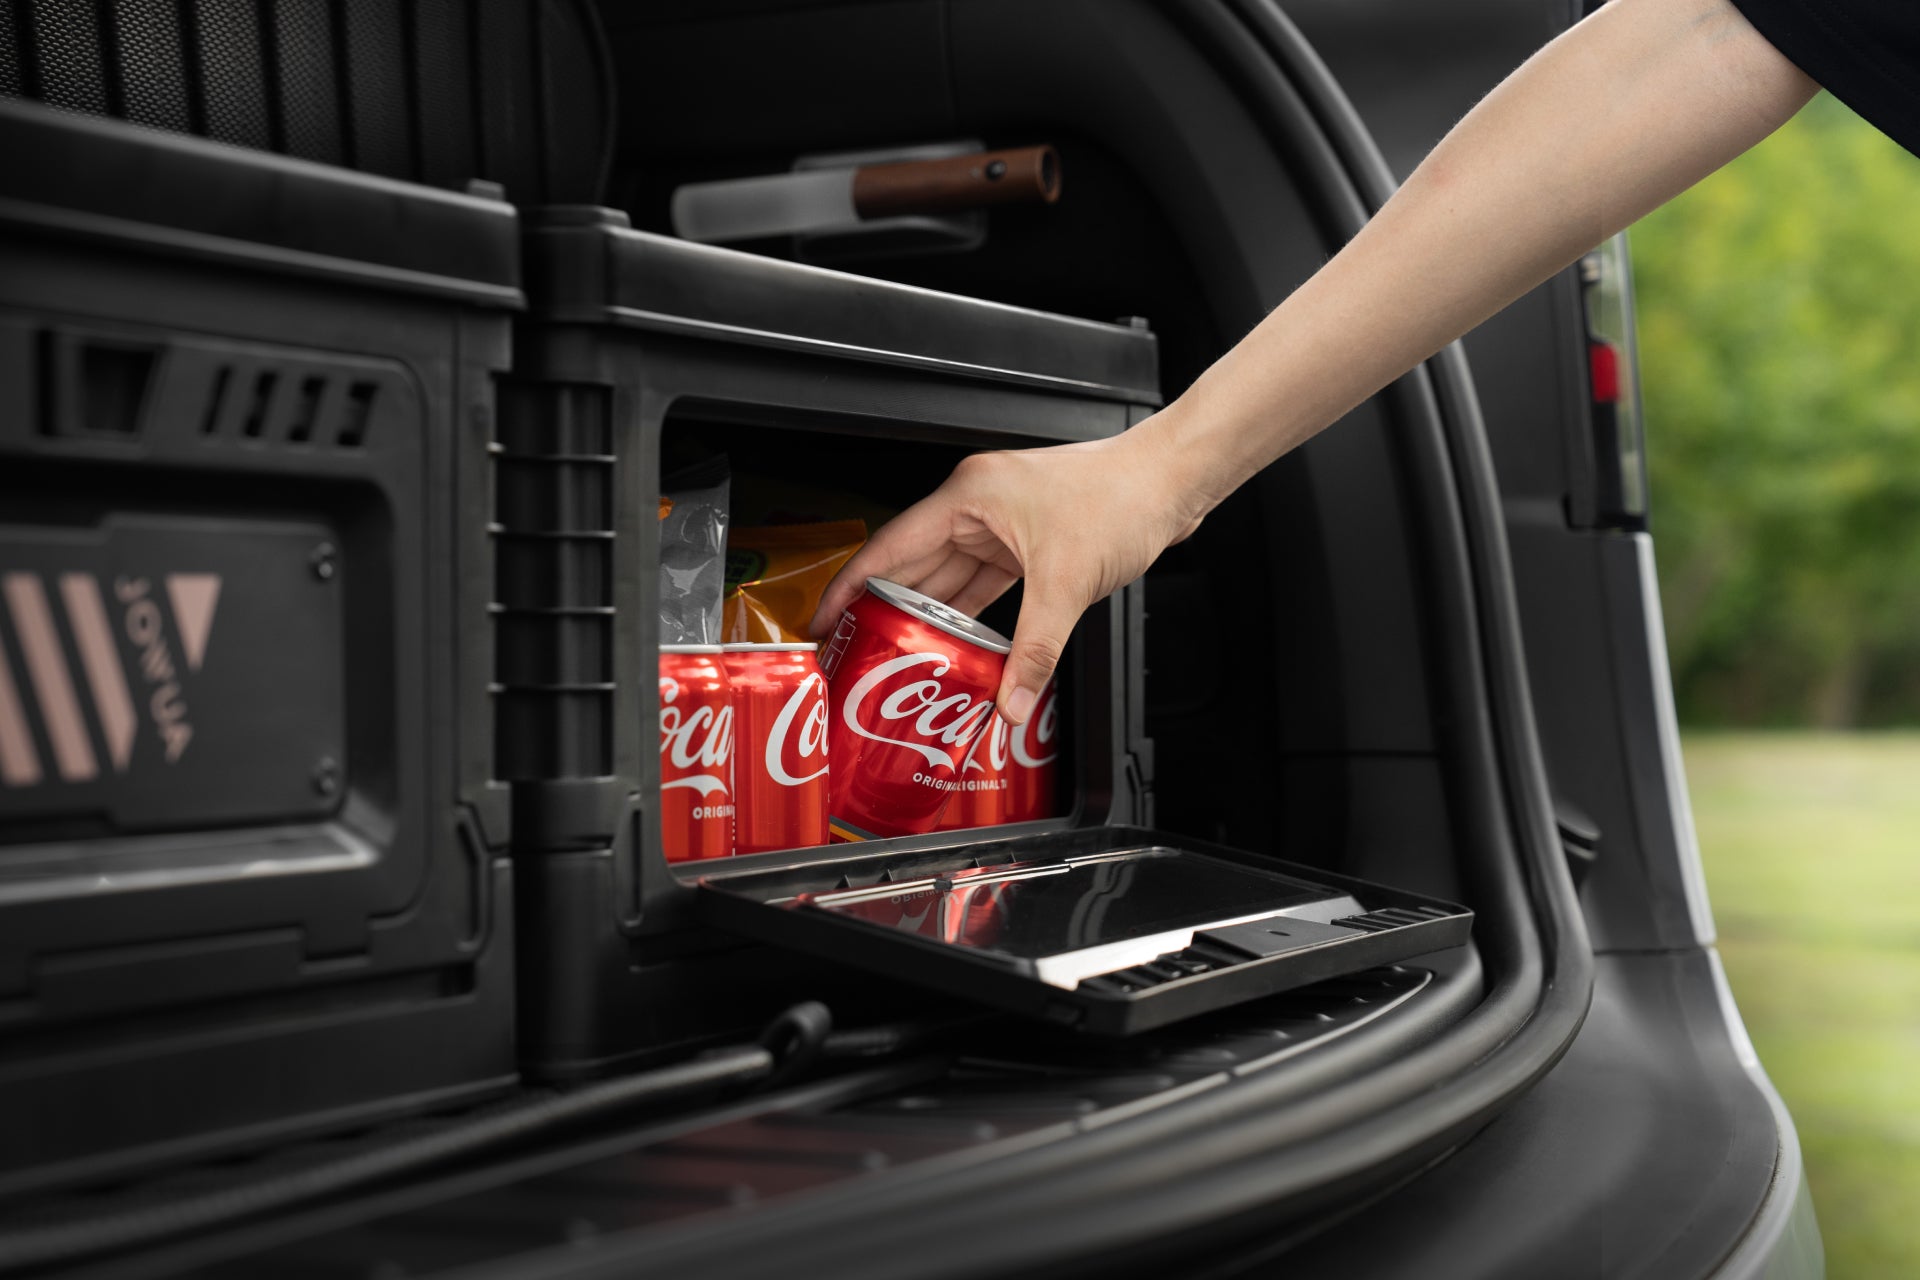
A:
<point x="52" y="684"/>
<point x="193" y="596"/>
<point x="19" y="762"/>
<point x="88" y="614"/>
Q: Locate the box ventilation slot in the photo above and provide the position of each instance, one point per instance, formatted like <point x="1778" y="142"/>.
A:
<point x="256" y="423"/>
<point x="113" y="382"/>
<point x="216" y="400"/>
<point x="287" y="404"/>
<point x="306" y="409"/>
<point x="353" y="431"/>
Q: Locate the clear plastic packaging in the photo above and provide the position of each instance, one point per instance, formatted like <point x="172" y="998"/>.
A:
<point x="693" y="542"/>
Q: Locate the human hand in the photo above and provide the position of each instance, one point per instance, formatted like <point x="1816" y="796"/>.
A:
<point x="1078" y="521"/>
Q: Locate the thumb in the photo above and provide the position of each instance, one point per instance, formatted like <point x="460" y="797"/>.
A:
<point x="1048" y="613"/>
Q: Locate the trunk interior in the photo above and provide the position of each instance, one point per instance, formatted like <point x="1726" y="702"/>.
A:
<point x="1326" y="674"/>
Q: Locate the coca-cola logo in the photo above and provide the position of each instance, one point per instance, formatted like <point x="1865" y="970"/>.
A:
<point x="702" y="740"/>
<point x="799" y="733"/>
<point x="1033" y="742"/>
<point x="989" y="754"/>
<point x="936" y="718"/>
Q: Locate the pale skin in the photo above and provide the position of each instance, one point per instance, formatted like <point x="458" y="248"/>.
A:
<point x="1620" y="114"/>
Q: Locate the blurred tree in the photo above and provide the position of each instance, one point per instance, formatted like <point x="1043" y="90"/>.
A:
<point x="1779" y="323"/>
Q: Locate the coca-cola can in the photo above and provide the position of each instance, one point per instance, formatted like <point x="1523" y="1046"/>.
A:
<point x="980" y="800"/>
<point x="696" y="753"/>
<point x="910" y="685"/>
<point x="1033" y="754"/>
<point x="780" y="746"/>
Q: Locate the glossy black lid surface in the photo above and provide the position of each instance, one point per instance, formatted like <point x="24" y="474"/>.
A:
<point x="1110" y="929"/>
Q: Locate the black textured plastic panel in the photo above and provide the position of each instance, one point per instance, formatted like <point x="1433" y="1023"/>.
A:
<point x="66" y="41"/>
<point x="229" y="54"/>
<point x="439" y="91"/>
<point x="378" y="88"/>
<point x="311" y="122"/>
<point x="586" y="266"/>
<point x="9" y="54"/>
<point x="153" y="84"/>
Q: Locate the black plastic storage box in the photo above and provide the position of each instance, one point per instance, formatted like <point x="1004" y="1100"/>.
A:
<point x="637" y="346"/>
<point x="252" y="873"/>
<point x="831" y="395"/>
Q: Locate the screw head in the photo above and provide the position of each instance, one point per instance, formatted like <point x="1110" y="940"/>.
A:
<point x="321" y="561"/>
<point x="326" y="777"/>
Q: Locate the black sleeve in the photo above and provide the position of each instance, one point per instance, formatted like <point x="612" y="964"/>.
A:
<point x="1864" y="52"/>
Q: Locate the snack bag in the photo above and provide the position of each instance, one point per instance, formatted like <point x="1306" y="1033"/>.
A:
<point x="776" y="573"/>
<point x="693" y="539"/>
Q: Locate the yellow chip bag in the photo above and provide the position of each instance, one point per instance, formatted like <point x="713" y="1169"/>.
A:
<point x="775" y="575"/>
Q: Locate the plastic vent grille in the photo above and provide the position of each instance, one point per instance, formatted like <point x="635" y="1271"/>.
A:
<point x="444" y="71"/>
<point x="146" y="37"/>
<point x="289" y="404"/>
<point x="438" y="91"/>
<point x="66" y="55"/>
<point x="9" y="55"/>
<point x="230" y="61"/>
<point x="379" y="92"/>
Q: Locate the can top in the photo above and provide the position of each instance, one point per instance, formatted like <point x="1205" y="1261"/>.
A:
<point x="691" y="648"/>
<point x="934" y="613"/>
<point x="761" y="646"/>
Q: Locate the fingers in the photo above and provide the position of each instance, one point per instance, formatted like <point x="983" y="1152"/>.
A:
<point x="1047" y="616"/>
<point x="989" y="583"/>
<point x="909" y="546"/>
<point x="953" y="573"/>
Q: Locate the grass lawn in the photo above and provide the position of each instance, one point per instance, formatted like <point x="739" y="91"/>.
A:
<point x="1812" y="850"/>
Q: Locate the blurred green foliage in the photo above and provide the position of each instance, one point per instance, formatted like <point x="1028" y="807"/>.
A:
<point x="1779" y="327"/>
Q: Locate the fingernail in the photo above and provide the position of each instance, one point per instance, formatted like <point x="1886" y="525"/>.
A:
<point x="1020" y="705"/>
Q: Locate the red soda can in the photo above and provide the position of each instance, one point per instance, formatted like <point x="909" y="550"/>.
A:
<point x="1033" y="762"/>
<point x="780" y="746"/>
<point x="910" y="685"/>
<point x="696" y="753"/>
<point x="981" y="798"/>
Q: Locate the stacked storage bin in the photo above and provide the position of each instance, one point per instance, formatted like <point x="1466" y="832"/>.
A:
<point x="252" y="871"/>
<point x="636" y="342"/>
<point x="252" y="853"/>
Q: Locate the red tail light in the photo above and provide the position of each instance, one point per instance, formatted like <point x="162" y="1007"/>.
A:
<point x="1603" y="368"/>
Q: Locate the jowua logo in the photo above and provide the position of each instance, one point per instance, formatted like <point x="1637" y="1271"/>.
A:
<point x="800" y="734"/>
<point x="702" y="741"/>
<point x="949" y="722"/>
<point x="154" y="681"/>
<point x="1033" y="742"/>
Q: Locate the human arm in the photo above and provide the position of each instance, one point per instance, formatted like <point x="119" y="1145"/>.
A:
<point x="1622" y="112"/>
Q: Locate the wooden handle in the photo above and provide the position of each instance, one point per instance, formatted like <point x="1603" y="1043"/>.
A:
<point x="1025" y="175"/>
